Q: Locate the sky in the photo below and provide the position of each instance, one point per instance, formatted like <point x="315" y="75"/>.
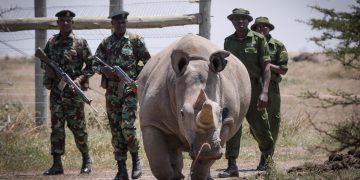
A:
<point x="282" y="13"/>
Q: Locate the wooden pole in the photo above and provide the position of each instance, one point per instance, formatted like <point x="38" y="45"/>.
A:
<point x="21" y="24"/>
<point x="205" y="25"/>
<point x="41" y="99"/>
<point x="116" y="5"/>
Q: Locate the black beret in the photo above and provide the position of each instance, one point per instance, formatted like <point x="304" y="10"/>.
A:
<point x="65" y="13"/>
<point x="119" y="14"/>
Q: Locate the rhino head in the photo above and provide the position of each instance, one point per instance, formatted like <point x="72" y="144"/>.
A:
<point x="198" y="99"/>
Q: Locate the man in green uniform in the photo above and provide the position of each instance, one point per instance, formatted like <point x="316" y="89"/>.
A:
<point x="71" y="54"/>
<point x="278" y="67"/>
<point x="128" y="51"/>
<point x="251" y="48"/>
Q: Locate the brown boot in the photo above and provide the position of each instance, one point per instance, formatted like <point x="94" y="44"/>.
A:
<point x="57" y="167"/>
<point x="231" y="171"/>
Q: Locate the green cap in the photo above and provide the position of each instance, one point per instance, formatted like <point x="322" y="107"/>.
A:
<point x="65" y="13"/>
<point x="262" y="20"/>
<point x="240" y="12"/>
<point x="119" y="14"/>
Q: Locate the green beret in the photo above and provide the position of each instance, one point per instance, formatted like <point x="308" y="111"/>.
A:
<point x="262" y="20"/>
<point x="119" y="14"/>
<point x="240" y="12"/>
<point x="65" y="13"/>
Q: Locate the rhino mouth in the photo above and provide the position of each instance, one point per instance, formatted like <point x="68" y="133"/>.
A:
<point x="205" y="146"/>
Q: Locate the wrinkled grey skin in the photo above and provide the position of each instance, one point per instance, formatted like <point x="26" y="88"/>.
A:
<point x="193" y="97"/>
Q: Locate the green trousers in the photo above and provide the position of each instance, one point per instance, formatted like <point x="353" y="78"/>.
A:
<point x="259" y="127"/>
<point x="273" y="109"/>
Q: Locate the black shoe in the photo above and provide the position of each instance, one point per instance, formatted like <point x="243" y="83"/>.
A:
<point x="86" y="165"/>
<point x="261" y="166"/>
<point x="231" y="171"/>
<point x="136" y="169"/>
<point x="54" y="170"/>
<point x="122" y="171"/>
<point x="57" y="167"/>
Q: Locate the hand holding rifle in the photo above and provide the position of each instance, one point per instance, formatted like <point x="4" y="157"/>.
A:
<point x="116" y="71"/>
<point x="65" y="79"/>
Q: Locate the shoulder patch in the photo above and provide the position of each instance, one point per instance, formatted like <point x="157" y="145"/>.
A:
<point x="133" y="36"/>
<point x="279" y="42"/>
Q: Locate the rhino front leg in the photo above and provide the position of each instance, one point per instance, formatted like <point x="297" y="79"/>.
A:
<point x="201" y="170"/>
<point x="165" y="161"/>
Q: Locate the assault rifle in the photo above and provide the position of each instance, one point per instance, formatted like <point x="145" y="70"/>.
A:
<point x="65" y="79"/>
<point x="121" y="74"/>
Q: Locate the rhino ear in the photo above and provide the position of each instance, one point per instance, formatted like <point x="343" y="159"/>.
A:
<point x="218" y="61"/>
<point x="179" y="61"/>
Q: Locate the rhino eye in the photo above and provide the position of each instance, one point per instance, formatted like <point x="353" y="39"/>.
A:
<point x="182" y="113"/>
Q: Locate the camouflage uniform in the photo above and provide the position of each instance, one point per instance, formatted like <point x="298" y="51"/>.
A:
<point x="279" y="57"/>
<point x="252" y="51"/>
<point x="70" y="54"/>
<point x="130" y="54"/>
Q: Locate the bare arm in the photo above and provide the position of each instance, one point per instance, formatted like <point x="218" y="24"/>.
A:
<point x="266" y="76"/>
<point x="276" y="69"/>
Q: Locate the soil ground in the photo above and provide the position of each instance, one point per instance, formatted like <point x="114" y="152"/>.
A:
<point x="296" y="136"/>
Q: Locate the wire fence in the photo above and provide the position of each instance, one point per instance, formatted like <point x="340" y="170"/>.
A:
<point x="22" y="43"/>
<point x="17" y="76"/>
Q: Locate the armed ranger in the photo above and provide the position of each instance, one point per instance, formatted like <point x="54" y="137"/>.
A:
<point x="65" y="79"/>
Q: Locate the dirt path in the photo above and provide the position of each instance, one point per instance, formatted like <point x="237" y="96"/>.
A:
<point x="245" y="170"/>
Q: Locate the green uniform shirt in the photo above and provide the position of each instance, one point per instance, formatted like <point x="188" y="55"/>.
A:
<point x="252" y="51"/>
<point x="279" y="56"/>
<point x="71" y="54"/>
<point x="128" y="52"/>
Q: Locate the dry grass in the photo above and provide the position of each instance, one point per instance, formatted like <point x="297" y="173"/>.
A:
<point x="21" y="141"/>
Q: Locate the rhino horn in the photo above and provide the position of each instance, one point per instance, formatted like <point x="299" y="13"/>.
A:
<point x="200" y="100"/>
<point x="179" y="61"/>
<point x="205" y="119"/>
<point x="218" y="61"/>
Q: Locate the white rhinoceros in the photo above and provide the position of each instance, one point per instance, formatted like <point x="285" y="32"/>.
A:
<point x="193" y="97"/>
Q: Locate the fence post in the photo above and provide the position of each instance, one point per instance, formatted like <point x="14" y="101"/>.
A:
<point x="41" y="100"/>
<point x="205" y="25"/>
<point x="115" y="5"/>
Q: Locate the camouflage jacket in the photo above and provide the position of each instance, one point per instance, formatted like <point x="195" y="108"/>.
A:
<point x="128" y="52"/>
<point x="279" y="56"/>
<point x="252" y="51"/>
<point x="71" y="54"/>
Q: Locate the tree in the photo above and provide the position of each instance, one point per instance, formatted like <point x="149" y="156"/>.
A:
<point x="342" y="28"/>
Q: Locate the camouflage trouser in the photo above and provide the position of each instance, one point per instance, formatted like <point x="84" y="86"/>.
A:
<point x="121" y="112"/>
<point x="273" y="109"/>
<point x="259" y="127"/>
<point x="70" y="109"/>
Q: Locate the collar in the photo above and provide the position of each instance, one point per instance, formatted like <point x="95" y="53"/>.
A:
<point x="126" y="35"/>
<point x="250" y="33"/>
<point x="270" y="39"/>
<point x="71" y="36"/>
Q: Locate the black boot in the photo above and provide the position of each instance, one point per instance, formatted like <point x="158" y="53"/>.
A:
<point x="136" y="169"/>
<point x="86" y="165"/>
<point x="122" y="171"/>
<point x="57" y="167"/>
<point x="261" y="166"/>
<point x="231" y="171"/>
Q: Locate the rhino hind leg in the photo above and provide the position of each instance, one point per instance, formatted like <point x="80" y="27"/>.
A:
<point x="165" y="162"/>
